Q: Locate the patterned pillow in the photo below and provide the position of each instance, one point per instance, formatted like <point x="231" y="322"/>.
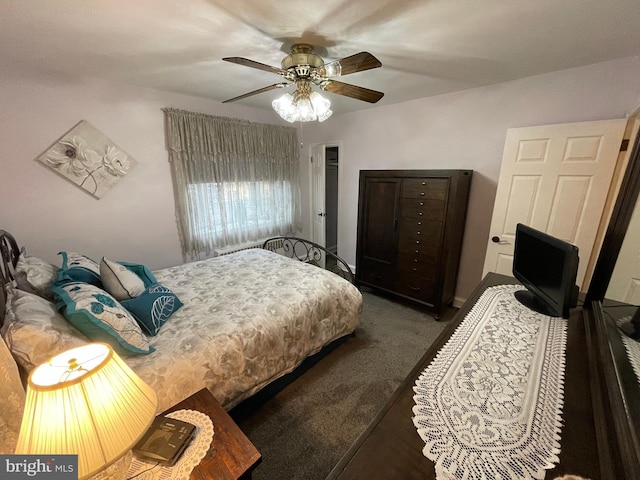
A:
<point x="119" y="281"/>
<point x="100" y="317"/>
<point x="153" y="307"/>
<point x="79" y="268"/>
<point x="147" y="277"/>
<point x="13" y="397"/>
<point x="35" y="331"/>
<point x="35" y="275"/>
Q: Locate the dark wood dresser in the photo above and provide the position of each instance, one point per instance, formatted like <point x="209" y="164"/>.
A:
<point x="410" y="229"/>
<point x="390" y="448"/>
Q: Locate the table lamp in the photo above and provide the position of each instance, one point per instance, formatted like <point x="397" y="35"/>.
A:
<point x="87" y="401"/>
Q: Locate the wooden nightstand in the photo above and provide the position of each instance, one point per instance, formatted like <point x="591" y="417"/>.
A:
<point x="231" y="456"/>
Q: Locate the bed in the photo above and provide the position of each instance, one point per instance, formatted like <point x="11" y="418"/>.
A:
<point x="245" y="320"/>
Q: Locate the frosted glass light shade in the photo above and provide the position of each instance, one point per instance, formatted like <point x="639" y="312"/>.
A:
<point x="321" y="106"/>
<point x="302" y="106"/>
<point x="86" y="401"/>
<point x="284" y="106"/>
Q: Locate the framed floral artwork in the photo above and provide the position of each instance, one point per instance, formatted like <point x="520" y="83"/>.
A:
<point x="86" y="157"/>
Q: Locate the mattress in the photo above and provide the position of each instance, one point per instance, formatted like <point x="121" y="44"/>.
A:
<point x="248" y="318"/>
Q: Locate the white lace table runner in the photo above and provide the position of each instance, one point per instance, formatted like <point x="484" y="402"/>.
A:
<point x="197" y="449"/>
<point x="490" y="403"/>
<point x="632" y="346"/>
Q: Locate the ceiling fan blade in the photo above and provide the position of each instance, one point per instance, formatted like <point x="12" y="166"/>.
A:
<point x="352" y="64"/>
<point x="353" y="91"/>
<point x="253" y="64"/>
<point x="255" y="92"/>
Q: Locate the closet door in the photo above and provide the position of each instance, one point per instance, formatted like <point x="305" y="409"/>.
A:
<point x="378" y="226"/>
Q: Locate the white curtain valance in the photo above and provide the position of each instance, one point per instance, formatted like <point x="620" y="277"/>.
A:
<point x="223" y="136"/>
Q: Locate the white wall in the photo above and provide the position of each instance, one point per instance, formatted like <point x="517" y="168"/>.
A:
<point x="465" y="130"/>
<point x="135" y="221"/>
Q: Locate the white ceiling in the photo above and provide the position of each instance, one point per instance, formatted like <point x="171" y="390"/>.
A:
<point x="427" y="47"/>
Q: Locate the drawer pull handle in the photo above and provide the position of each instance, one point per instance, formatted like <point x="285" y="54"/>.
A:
<point x="417" y="252"/>
<point x="422" y="204"/>
<point x="415" y="289"/>
<point x="424" y="183"/>
<point x="417" y="242"/>
<point x="414" y="269"/>
<point x="415" y="260"/>
<point x="422" y="194"/>
<point x="419" y="223"/>
<point x="420" y="213"/>
<point x="419" y="233"/>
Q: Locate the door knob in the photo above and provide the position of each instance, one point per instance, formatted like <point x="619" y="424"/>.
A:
<point x="496" y="239"/>
<point x="322" y="214"/>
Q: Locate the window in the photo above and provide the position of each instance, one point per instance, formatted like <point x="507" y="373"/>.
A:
<point x="234" y="181"/>
<point x="240" y="210"/>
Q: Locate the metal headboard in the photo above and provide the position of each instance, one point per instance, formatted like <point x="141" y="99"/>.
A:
<point x="310" y="252"/>
<point x="10" y="252"/>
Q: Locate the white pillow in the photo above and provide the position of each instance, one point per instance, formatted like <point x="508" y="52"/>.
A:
<point x="35" y="275"/>
<point x="35" y="331"/>
<point x="119" y="281"/>
<point x="12" y="395"/>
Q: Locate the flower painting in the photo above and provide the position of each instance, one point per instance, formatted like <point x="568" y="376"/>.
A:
<point x="89" y="159"/>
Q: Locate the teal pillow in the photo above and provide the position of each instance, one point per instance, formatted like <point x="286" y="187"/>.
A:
<point x="143" y="272"/>
<point x="100" y="317"/>
<point x="153" y="307"/>
<point x="79" y="268"/>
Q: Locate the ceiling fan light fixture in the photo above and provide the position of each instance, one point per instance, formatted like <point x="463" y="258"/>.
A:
<point x="304" y="68"/>
<point x="323" y="117"/>
<point x="333" y="69"/>
<point x="303" y="105"/>
<point x="321" y="106"/>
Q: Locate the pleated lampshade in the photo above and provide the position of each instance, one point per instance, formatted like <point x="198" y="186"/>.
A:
<point x="86" y="401"/>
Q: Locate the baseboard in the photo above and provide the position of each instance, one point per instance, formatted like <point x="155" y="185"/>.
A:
<point x="458" y="302"/>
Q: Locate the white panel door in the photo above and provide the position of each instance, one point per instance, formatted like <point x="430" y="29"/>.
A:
<point x="554" y="178"/>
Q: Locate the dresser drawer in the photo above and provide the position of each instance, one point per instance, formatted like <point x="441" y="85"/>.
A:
<point x="421" y="228"/>
<point x="416" y="286"/>
<point x="425" y="267"/>
<point x="424" y="263"/>
<point x="376" y="273"/>
<point x="422" y="208"/>
<point x="430" y="188"/>
<point x="419" y="247"/>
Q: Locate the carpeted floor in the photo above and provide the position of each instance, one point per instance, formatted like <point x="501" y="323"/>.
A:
<point x="305" y="429"/>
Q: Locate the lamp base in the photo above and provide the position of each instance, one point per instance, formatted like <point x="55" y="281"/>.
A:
<point x="117" y="470"/>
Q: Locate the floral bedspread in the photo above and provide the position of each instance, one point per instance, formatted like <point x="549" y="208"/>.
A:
<point x="248" y="318"/>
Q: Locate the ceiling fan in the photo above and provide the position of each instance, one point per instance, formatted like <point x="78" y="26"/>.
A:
<point x="304" y="68"/>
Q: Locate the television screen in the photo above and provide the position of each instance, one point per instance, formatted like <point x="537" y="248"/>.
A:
<point x="547" y="267"/>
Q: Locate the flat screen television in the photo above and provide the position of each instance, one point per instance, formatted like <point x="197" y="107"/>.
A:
<point x="547" y="267"/>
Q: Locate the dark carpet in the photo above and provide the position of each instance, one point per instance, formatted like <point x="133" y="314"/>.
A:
<point x="304" y="430"/>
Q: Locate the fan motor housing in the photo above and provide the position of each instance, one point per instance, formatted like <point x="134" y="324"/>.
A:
<point x="302" y="60"/>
